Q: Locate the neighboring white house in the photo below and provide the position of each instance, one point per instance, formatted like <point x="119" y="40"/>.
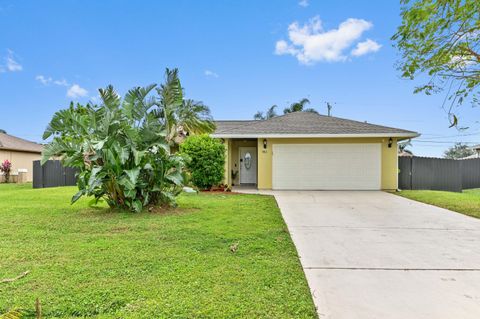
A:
<point x="476" y="149"/>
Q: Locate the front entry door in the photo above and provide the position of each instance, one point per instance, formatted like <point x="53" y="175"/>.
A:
<point x="248" y="165"/>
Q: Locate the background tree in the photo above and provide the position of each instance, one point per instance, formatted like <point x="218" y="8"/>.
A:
<point x="3" y="131"/>
<point x="457" y="151"/>
<point x="181" y="117"/>
<point x="441" y="38"/>
<point x="268" y="114"/>
<point x="299" y="107"/>
<point x="403" y="147"/>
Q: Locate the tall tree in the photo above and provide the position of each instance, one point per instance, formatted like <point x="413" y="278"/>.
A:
<point x="181" y="116"/>
<point x="119" y="148"/>
<point x="459" y="150"/>
<point x="299" y="107"/>
<point x="268" y="114"/>
<point x="441" y="38"/>
<point x="194" y="117"/>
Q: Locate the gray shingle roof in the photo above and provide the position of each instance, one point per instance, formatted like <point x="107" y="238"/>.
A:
<point x="12" y="143"/>
<point x="305" y="123"/>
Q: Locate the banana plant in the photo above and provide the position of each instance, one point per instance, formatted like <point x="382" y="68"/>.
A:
<point x="121" y="147"/>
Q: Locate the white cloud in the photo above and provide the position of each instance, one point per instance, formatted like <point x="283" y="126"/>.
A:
<point x="310" y="43"/>
<point x="282" y="47"/>
<point x="303" y="3"/>
<point x="76" y="91"/>
<point x="11" y="64"/>
<point x="211" y="74"/>
<point x="48" y="80"/>
<point x="61" y="82"/>
<point x="365" y="47"/>
<point x="44" y="80"/>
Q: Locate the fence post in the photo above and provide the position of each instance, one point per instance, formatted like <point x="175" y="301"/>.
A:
<point x="411" y="172"/>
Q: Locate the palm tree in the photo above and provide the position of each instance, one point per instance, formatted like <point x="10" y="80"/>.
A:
<point x="299" y="107"/>
<point x="268" y="115"/>
<point x="259" y="116"/>
<point x="180" y="116"/>
<point x="193" y="117"/>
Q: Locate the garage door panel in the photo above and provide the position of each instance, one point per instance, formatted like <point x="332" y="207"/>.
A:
<point x="326" y="166"/>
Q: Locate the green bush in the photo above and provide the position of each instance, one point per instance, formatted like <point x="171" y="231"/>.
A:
<point x="120" y="147"/>
<point x="206" y="160"/>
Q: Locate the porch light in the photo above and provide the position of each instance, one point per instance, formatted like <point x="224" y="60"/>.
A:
<point x="264" y="144"/>
<point x="390" y="142"/>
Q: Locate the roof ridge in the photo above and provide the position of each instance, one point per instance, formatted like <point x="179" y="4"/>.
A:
<point x="360" y="122"/>
<point x="236" y="120"/>
<point x="308" y="123"/>
<point x="11" y="142"/>
<point x="19" y="138"/>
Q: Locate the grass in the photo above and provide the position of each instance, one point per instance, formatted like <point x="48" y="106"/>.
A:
<point x="98" y="263"/>
<point x="467" y="202"/>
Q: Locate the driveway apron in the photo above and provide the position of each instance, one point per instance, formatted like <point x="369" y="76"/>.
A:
<point x="376" y="255"/>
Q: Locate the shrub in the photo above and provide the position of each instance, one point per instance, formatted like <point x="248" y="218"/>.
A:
<point x="206" y="160"/>
<point x="120" y="147"/>
<point x="6" y="168"/>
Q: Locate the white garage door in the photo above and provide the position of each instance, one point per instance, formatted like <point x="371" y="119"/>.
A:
<point x="326" y="166"/>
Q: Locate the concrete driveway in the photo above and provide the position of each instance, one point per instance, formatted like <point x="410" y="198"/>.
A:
<point x="377" y="255"/>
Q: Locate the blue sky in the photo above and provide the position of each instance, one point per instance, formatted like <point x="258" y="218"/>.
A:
<point x="235" y="56"/>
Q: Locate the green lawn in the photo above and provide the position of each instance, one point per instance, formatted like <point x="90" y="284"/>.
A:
<point x="92" y="262"/>
<point x="467" y="203"/>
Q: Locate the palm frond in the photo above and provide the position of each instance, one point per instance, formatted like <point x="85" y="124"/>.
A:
<point x="194" y="117"/>
<point x="12" y="314"/>
<point x="109" y="97"/>
<point x="135" y="103"/>
<point x="259" y="116"/>
<point x="297" y="106"/>
<point x="271" y="112"/>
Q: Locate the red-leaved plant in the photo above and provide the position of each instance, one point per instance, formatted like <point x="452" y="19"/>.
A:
<point x="6" y="167"/>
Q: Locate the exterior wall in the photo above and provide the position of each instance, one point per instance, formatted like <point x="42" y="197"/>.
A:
<point x="227" y="177"/>
<point x="20" y="160"/>
<point x="389" y="157"/>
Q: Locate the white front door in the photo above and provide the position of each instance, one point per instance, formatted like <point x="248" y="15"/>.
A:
<point x="248" y="165"/>
<point x="327" y="166"/>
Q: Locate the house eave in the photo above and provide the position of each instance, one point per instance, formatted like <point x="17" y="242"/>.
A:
<point x="266" y="135"/>
<point x="19" y="150"/>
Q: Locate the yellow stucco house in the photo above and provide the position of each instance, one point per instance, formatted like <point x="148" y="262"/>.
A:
<point x="21" y="153"/>
<point x="309" y="151"/>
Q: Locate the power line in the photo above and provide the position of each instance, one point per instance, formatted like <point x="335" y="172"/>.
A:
<point x="442" y="142"/>
<point x="449" y="136"/>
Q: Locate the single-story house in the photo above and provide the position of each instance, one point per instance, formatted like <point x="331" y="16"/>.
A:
<point x="309" y="151"/>
<point x="20" y="152"/>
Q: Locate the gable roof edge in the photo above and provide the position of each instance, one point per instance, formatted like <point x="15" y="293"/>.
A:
<point x="266" y="135"/>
